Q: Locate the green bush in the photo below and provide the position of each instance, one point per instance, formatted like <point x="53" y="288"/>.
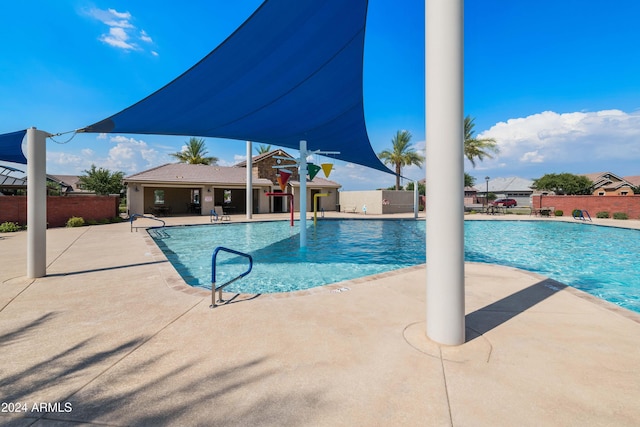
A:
<point x="602" y="214"/>
<point x="75" y="221"/>
<point x="116" y="219"/>
<point x="558" y="212"/>
<point x="620" y="215"/>
<point x="576" y="212"/>
<point x="9" y="227"/>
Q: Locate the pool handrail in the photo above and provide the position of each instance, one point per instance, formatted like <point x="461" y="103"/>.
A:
<point x="136" y="216"/>
<point x="579" y="214"/>
<point x="213" y="273"/>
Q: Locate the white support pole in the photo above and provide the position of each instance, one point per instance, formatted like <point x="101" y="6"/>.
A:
<point x="444" y="163"/>
<point x="36" y="203"/>
<point x="249" y="181"/>
<point x="415" y="199"/>
<point x="302" y="172"/>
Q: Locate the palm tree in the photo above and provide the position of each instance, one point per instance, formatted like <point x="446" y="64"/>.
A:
<point x="263" y="149"/>
<point x="194" y="153"/>
<point x="402" y="154"/>
<point x="475" y="148"/>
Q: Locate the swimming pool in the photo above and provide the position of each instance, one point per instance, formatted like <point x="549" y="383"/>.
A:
<point x="602" y="261"/>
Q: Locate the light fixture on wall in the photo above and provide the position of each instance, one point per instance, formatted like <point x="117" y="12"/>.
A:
<point x="208" y="189"/>
<point x="136" y="189"/>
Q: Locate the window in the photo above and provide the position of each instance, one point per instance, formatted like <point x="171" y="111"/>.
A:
<point x="158" y="197"/>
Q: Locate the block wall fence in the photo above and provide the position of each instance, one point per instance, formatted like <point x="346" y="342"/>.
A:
<point x="593" y="204"/>
<point x="61" y="208"/>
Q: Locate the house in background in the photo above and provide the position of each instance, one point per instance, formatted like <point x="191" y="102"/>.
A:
<point x="263" y="167"/>
<point x="609" y="184"/>
<point x="633" y="180"/>
<point x="67" y="183"/>
<point x="180" y="188"/>
<point x="506" y="188"/>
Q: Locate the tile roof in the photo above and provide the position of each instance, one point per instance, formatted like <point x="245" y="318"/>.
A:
<point x="318" y="182"/>
<point x="512" y="184"/>
<point x="633" y="180"/>
<point x="263" y="156"/>
<point x="195" y="174"/>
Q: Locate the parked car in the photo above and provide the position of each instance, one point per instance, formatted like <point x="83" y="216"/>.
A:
<point x="507" y="203"/>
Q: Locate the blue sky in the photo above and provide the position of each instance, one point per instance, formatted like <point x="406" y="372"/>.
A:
<point x="556" y="83"/>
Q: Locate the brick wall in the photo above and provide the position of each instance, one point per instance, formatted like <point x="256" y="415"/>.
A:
<point x="594" y="204"/>
<point x="61" y="208"/>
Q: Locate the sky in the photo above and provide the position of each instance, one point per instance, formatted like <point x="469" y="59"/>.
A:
<point x="555" y="83"/>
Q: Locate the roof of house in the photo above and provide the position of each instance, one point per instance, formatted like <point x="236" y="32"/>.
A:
<point x="506" y="185"/>
<point x="259" y="157"/>
<point x="607" y="180"/>
<point x="67" y="181"/>
<point x="633" y="180"/>
<point x="201" y="174"/>
<point x="318" y="182"/>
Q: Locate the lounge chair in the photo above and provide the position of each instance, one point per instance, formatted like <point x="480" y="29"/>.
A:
<point x="217" y="214"/>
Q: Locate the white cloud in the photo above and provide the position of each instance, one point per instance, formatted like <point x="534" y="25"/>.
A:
<point x="130" y="155"/>
<point x="532" y="157"/>
<point x="117" y="37"/>
<point x="122" y="33"/>
<point x="550" y="137"/>
<point x="145" y="37"/>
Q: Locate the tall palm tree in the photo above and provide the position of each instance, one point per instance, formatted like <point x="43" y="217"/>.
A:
<point x="477" y="148"/>
<point x="194" y="153"/>
<point x="401" y="155"/>
<point x="263" y="149"/>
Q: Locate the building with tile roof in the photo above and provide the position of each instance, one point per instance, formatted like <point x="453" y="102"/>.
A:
<point x="180" y="188"/>
<point x="609" y="184"/>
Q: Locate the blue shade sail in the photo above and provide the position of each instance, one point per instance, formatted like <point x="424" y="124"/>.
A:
<point x="11" y="147"/>
<point x="291" y="72"/>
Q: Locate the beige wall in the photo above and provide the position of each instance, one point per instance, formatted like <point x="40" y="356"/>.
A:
<point x="377" y="201"/>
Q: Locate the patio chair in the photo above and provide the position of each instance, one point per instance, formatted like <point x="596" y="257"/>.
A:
<point x="219" y="214"/>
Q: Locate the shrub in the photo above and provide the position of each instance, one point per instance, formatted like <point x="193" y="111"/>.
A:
<point x="9" y="227"/>
<point x="576" y="212"/>
<point x="558" y="212"/>
<point x="602" y="214"/>
<point x="620" y="215"/>
<point x="75" y="221"/>
<point x="116" y="219"/>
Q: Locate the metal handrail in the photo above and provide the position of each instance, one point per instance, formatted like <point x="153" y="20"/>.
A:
<point x="213" y="273"/>
<point x="579" y="214"/>
<point x="136" y="216"/>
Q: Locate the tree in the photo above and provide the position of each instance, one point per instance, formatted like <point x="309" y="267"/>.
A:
<point x="263" y="149"/>
<point x="563" y="183"/>
<point x="102" y="181"/>
<point x="194" y="153"/>
<point x="477" y="148"/>
<point x="421" y="187"/>
<point x="469" y="181"/>
<point x="401" y="155"/>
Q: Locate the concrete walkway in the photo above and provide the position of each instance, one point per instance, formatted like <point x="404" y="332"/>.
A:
<point x="113" y="337"/>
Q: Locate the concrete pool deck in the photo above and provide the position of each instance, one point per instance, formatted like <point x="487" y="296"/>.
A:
<point x="110" y="337"/>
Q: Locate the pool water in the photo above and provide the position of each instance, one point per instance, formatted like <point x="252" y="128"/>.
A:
<point x="602" y="261"/>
